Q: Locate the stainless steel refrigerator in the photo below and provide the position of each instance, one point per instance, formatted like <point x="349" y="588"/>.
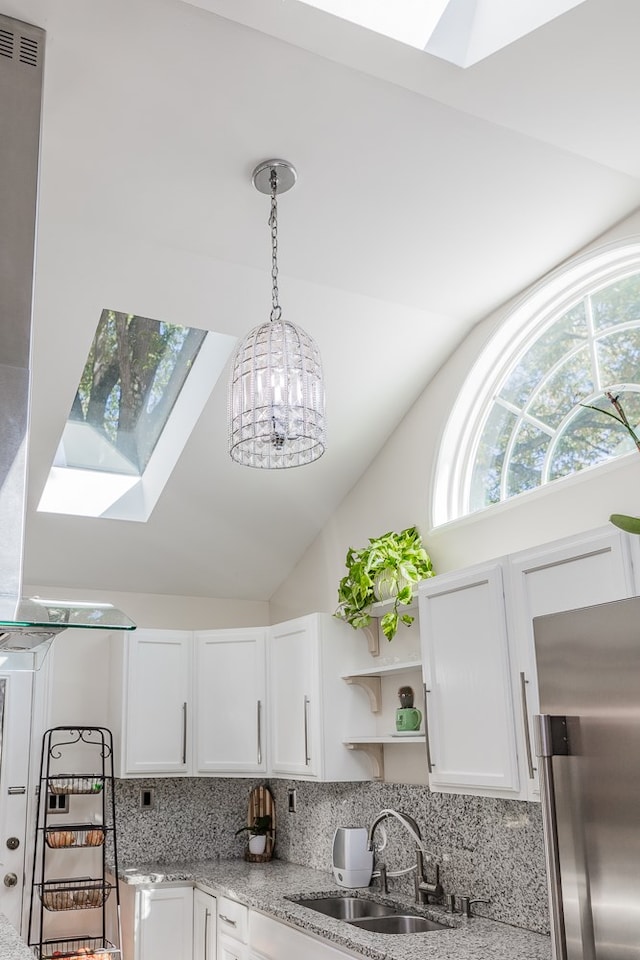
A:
<point x="588" y="744"/>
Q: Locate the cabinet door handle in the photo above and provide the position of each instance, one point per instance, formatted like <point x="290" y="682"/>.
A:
<point x="259" y="730"/>
<point x="184" y="734"/>
<point x="307" y="757"/>
<point x="430" y="764"/>
<point x="206" y="934"/>
<point x="228" y="920"/>
<point x="525" y="721"/>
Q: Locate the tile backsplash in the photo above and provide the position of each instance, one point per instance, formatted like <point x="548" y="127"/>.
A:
<point x="488" y="848"/>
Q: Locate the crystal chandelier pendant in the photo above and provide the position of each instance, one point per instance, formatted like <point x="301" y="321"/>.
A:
<point x="276" y="391"/>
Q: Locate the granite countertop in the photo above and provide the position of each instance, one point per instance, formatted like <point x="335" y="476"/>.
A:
<point x="266" y="887"/>
<point x="11" y="946"/>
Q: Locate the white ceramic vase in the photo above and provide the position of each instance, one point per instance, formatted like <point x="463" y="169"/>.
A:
<point x="257" y="844"/>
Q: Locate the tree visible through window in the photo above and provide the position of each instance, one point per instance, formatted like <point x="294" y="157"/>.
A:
<point x="527" y="424"/>
<point x="133" y="375"/>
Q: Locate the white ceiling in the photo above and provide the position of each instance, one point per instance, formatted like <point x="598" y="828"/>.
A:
<point x="427" y="195"/>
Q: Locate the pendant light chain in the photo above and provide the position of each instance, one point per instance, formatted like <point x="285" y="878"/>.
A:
<point x="276" y="310"/>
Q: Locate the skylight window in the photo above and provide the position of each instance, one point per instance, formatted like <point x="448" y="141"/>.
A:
<point x="461" y="31"/>
<point x="142" y="389"/>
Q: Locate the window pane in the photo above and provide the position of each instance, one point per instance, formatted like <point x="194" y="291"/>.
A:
<point x="131" y="381"/>
<point x="591" y="437"/>
<point x="566" y="388"/>
<point x="487" y="469"/>
<point x="561" y="338"/>
<point x="525" y="465"/>
<point x="617" y="303"/>
<point x="619" y="356"/>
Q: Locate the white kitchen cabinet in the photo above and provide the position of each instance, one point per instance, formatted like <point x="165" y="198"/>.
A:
<point x="185" y="704"/>
<point x="470" y="719"/>
<point x="230" y="702"/>
<point x="479" y="660"/>
<point x="150" y="702"/>
<point x="229" y="949"/>
<point x="577" y="572"/>
<point x="270" y="939"/>
<point x="204" y="926"/>
<point x="164" y="923"/>
<point x="310" y="705"/>
<point x="233" y="930"/>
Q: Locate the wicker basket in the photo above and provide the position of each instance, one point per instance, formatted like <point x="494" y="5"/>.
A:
<point x="65" y="783"/>
<point x="80" y="835"/>
<point x="79" y="894"/>
<point x="88" y="948"/>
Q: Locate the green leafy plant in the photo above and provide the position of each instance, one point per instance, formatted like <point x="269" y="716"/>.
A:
<point x="621" y="520"/>
<point x="260" y="827"/>
<point x="388" y="568"/>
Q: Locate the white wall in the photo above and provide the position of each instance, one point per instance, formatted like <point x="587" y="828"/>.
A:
<point x="395" y="492"/>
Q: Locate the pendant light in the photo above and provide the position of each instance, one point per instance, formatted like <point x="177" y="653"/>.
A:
<point x="276" y="391"/>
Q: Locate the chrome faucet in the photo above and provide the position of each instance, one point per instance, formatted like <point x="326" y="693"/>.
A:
<point x="426" y="890"/>
<point x="423" y="888"/>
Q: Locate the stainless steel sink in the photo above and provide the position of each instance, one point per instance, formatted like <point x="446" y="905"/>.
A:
<point x="347" y="908"/>
<point x="398" y="923"/>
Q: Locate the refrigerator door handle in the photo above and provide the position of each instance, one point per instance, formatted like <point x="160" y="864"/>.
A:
<point x="544" y="752"/>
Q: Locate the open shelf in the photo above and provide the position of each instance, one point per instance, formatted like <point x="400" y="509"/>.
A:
<point x="371" y="679"/>
<point x="386" y="738"/>
<point x="385" y="669"/>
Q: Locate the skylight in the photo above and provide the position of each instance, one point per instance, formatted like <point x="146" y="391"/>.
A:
<point x="142" y="389"/>
<point x="461" y="31"/>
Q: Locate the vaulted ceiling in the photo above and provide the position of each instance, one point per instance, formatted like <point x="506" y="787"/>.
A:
<point x="427" y="195"/>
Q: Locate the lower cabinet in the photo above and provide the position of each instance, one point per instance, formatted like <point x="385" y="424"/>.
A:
<point x="204" y="926"/>
<point x="179" y="923"/>
<point x="167" y="923"/>
<point x="233" y="930"/>
<point x="229" y="949"/>
<point x="163" y="927"/>
<point x="271" y="940"/>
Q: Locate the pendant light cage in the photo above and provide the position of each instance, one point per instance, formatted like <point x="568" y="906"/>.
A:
<point x="276" y="398"/>
<point x="276" y="392"/>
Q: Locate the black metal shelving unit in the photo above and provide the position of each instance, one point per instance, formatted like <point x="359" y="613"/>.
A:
<point x="101" y="940"/>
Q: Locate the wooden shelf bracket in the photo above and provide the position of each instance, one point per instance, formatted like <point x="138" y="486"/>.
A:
<point x="375" y="753"/>
<point x="373" y="686"/>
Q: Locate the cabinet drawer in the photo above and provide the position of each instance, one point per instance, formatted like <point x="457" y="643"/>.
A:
<point x="233" y="919"/>
<point x="275" y="941"/>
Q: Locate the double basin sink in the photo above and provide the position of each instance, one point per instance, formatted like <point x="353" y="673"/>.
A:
<point x="369" y="915"/>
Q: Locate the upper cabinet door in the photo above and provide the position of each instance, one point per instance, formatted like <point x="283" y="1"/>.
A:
<point x="471" y="727"/>
<point x="230" y="702"/>
<point x="294" y="693"/>
<point x="156" y="705"/>
<point x="576" y="572"/>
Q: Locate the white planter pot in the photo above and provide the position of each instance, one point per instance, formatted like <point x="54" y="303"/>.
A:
<point x="257" y="844"/>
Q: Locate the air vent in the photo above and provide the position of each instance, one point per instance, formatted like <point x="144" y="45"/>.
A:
<point x="6" y="44"/>
<point x="29" y="51"/>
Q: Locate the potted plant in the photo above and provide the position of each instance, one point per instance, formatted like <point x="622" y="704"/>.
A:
<point x="258" y="832"/>
<point x="621" y="520"/>
<point x="386" y="569"/>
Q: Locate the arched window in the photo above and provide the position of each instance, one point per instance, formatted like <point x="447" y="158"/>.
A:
<point x="519" y="422"/>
